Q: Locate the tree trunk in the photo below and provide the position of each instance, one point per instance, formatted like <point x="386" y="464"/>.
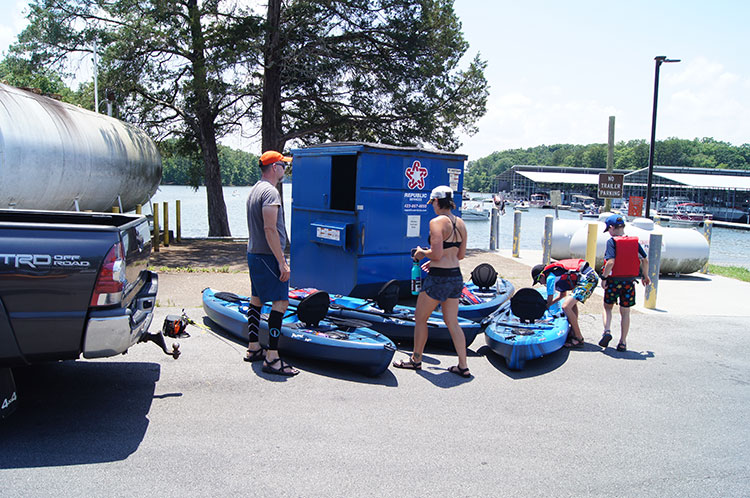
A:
<point x="271" y="133"/>
<point x="218" y="223"/>
<point x="271" y="119"/>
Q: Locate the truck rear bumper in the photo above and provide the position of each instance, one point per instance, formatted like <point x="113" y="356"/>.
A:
<point x="112" y="332"/>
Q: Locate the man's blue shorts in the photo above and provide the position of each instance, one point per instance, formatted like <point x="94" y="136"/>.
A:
<point x="264" y="278"/>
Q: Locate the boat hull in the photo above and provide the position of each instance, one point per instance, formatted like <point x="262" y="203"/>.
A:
<point x="398" y="325"/>
<point x="363" y="349"/>
<point x="519" y="342"/>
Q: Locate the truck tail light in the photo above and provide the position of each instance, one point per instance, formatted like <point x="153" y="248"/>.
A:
<point x="110" y="281"/>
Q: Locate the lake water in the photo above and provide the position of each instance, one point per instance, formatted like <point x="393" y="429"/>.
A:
<point x="728" y="247"/>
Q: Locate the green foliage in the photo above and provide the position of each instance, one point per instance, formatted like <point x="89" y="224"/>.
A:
<point x="23" y="73"/>
<point x="181" y="165"/>
<point x="697" y="153"/>
<point x="376" y="71"/>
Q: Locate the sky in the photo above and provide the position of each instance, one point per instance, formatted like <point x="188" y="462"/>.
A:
<point x="558" y="70"/>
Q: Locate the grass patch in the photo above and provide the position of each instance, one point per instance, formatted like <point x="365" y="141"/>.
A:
<point x="187" y="269"/>
<point x="737" y="272"/>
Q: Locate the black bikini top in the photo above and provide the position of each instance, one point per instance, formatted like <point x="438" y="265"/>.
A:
<point x="446" y="244"/>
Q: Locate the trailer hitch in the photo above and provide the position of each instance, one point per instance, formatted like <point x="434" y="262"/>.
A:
<point x="158" y="339"/>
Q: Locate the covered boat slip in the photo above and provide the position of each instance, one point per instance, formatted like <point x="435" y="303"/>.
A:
<point x="725" y="193"/>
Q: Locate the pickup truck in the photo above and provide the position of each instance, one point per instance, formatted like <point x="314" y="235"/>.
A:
<point x="72" y="284"/>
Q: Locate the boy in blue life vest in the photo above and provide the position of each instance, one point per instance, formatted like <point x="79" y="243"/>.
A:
<point x="573" y="275"/>
<point x="624" y="261"/>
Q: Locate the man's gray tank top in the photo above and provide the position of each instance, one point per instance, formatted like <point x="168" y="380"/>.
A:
<point x="263" y="194"/>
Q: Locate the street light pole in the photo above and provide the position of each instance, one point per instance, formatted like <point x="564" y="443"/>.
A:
<point x="659" y="60"/>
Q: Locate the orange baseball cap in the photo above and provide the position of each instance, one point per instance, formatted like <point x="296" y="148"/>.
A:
<point x="271" y="156"/>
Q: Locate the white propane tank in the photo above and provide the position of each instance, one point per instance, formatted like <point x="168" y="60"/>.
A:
<point x="55" y="156"/>
<point x="684" y="250"/>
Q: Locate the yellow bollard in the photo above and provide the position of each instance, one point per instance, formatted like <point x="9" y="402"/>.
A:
<point x="155" y="238"/>
<point x="179" y="220"/>
<point x="707" y="227"/>
<point x="591" y="244"/>
<point x="138" y="209"/>
<point x="166" y="224"/>
<point x="115" y="209"/>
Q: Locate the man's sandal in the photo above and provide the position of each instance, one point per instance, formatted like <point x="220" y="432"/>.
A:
<point x="284" y="368"/>
<point x="462" y="372"/>
<point x="408" y="365"/>
<point x="606" y="337"/>
<point x="258" y="354"/>
<point x="622" y="347"/>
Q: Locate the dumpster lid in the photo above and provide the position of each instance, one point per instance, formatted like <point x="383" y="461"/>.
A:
<point x="351" y="148"/>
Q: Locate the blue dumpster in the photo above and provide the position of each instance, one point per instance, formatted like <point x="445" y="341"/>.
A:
<point x="358" y="209"/>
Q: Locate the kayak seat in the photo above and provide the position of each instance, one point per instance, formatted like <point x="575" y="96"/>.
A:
<point x="484" y="276"/>
<point x="312" y="309"/>
<point x="528" y="305"/>
<point x="387" y="297"/>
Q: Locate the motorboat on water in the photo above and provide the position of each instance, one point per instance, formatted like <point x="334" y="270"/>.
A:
<point x="539" y="200"/>
<point x="473" y="210"/>
<point x="521" y="206"/>
<point x="689" y="214"/>
<point x="582" y="203"/>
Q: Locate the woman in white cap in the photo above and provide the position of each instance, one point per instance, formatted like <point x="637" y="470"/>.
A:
<point x="443" y="283"/>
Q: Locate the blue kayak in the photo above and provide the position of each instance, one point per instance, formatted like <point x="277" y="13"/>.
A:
<point x="477" y="303"/>
<point x="344" y="342"/>
<point x="530" y="335"/>
<point x="394" y="321"/>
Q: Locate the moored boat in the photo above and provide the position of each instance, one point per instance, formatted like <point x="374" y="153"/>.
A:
<point x="689" y="214"/>
<point x="472" y="210"/>
<point x="306" y="331"/>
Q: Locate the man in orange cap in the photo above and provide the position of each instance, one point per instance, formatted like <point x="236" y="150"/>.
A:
<point x="269" y="270"/>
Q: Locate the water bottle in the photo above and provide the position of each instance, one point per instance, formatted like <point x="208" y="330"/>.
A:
<point x="416" y="275"/>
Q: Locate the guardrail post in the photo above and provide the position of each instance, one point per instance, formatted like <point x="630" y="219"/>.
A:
<point x="591" y="244"/>
<point x="155" y="237"/>
<point x="654" y="262"/>
<point x="178" y="214"/>
<point x="516" y="232"/>
<point x="707" y="227"/>
<point x="547" y="241"/>
<point x="493" y="229"/>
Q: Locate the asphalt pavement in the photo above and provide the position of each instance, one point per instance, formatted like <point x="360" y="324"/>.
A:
<point x="666" y="418"/>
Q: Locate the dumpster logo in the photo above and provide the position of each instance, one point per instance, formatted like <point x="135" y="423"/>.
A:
<point x="416" y="175"/>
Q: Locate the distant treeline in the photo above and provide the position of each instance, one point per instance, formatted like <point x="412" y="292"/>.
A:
<point x="182" y="166"/>
<point x="698" y="153"/>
